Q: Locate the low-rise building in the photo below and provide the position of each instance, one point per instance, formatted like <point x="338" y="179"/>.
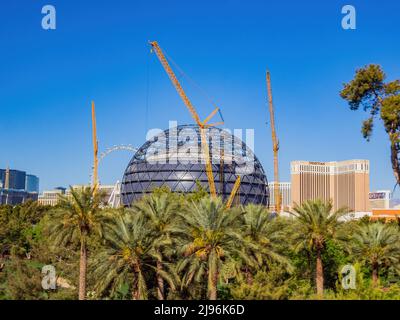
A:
<point x="385" y="214"/>
<point x="14" y="197"/>
<point x="284" y="192"/>
<point x="111" y="194"/>
<point x="379" y="199"/>
<point x="51" y="197"/>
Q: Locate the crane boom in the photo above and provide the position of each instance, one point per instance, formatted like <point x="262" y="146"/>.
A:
<point x="175" y="81"/>
<point x="95" y="150"/>
<point x="192" y="110"/>
<point x="275" y="146"/>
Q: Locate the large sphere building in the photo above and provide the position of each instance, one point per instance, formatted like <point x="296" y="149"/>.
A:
<point x="174" y="158"/>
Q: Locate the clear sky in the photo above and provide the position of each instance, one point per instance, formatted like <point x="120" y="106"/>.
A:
<point x="99" y="51"/>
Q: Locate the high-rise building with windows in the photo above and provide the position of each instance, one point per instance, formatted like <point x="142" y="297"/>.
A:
<point x="346" y="183"/>
<point x="285" y="194"/>
<point x="32" y="183"/>
<point x="12" y="179"/>
<point x="17" y="187"/>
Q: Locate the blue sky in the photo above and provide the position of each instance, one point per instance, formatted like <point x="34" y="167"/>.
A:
<point x="99" y="51"/>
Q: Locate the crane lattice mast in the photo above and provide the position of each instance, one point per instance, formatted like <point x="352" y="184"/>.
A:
<point x="95" y="182"/>
<point x="203" y="125"/>
<point x="275" y="146"/>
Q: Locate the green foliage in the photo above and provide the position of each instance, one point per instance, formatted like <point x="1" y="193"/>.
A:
<point x="364" y="290"/>
<point x="369" y="90"/>
<point x="172" y="246"/>
<point x="316" y="223"/>
<point x="271" y="284"/>
<point x="377" y="245"/>
<point x="212" y="237"/>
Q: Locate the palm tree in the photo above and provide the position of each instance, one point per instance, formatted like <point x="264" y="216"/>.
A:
<point x="161" y="212"/>
<point x="264" y="233"/>
<point x="316" y="222"/>
<point x="75" y="218"/>
<point x="377" y="245"/>
<point x="128" y="253"/>
<point x="213" y="237"/>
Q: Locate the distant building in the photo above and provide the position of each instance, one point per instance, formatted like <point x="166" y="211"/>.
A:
<point x="17" y="187"/>
<point x="111" y="194"/>
<point x="32" y="183"/>
<point x="346" y="183"/>
<point x="285" y="193"/>
<point x="105" y="189"/>
<point x="379" y="199"/>
<point x="50" y="198"/>
<point x="14" y="197"/>
<point x="385" y="214"/>
<point x="12" y="179"/>
<point x="62" y="189"/>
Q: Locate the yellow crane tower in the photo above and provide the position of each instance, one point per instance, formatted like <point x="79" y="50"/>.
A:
<point x="275" y="146"/>
<point x="203" y="125"/>
<point x="95" y="182"/>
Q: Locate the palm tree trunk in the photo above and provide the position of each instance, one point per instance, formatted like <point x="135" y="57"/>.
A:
<point x="375" y="276"/>
<point x="135" y="290"/>
<point x="212" y="290"/>
<point x="249" y="276"/>
<point x="160" y="282"/>
<point x="82" y="270"/>
<point x="319" y="275"/>
<point x="212" y="279"/>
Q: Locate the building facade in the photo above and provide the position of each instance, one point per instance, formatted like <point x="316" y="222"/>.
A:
<point x="385" y="214"/>
<point x="17" y="187"/>
<point x="345" y="183"/>
<point x="14" y="197"/>
<point x="173" y="158"/>
<point x="52" y="197"/>
<point x="379" y="199"/>
<point x="12" y="179"/>
<point x="32" y="183"/>
<point x="285" y="193"/>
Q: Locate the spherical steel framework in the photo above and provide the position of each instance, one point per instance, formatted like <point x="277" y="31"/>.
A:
<point x="174" y="158"/>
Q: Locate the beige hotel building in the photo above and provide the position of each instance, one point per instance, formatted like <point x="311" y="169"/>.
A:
<point x="346" y="183"/>
<point x="284" y="192"/>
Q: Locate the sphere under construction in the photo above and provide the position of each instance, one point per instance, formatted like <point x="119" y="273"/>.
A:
<point x="174" y="158"/>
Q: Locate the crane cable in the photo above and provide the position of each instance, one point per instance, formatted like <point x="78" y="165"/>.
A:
<point x="147" y="93"/>
<point x="194" y="83"/>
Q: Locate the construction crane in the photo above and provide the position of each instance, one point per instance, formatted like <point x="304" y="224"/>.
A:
<point x="203" y="125"/>
<point x="235" y="189"/>
<point x="95" y="182"/>
<point x="275" y="146"/>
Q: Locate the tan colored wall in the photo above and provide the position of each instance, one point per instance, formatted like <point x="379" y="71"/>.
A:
<point x="362" y="192"/>
<point x="343" y="182"/>
<point x="295" y="181"/>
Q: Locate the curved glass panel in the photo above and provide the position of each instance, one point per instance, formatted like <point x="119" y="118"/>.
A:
<point x="174" y="158"/>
